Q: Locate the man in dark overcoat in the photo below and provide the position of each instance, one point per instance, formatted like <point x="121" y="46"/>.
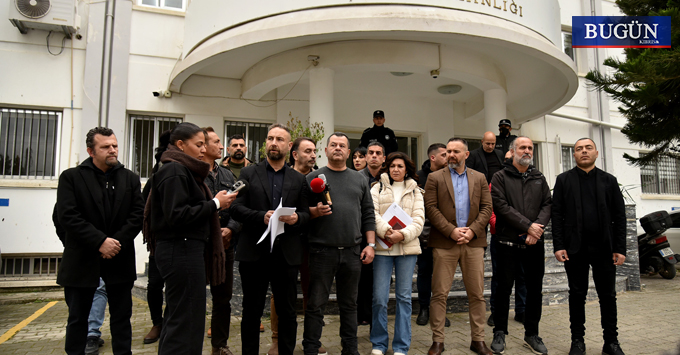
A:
<point x="100" y="208"/>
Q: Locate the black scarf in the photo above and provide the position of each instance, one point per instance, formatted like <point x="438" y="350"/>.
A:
<point x="215" y="257"/>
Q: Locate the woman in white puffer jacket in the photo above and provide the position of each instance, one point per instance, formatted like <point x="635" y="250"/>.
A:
<point x="398" y="183"/>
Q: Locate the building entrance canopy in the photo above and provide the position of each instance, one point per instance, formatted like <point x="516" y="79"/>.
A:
<point x="480" y="45"/>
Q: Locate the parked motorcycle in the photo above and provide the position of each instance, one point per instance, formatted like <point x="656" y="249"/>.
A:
<point x="656" y="255"/>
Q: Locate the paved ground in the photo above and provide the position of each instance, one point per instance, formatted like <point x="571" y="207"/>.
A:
<point x="647" y="325"/>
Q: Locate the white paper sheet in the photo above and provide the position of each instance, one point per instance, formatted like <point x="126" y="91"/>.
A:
<point x="395" y="211"/>
<point x="276" y="227"/>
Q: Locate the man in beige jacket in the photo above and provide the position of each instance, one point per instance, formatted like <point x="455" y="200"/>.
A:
<point x="458" y="204"/>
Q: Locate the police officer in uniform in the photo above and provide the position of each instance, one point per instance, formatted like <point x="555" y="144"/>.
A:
<point x="380" y="133"/>
<point x="504" y="139"/>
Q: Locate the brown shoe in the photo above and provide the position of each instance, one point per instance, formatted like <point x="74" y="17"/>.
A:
<point x="274" y="350"/>
<point x="154" y="334"/>
<point x="261" y="328"/>
<point x="480" y="348"/>
<point x="436" y="349"/>
<point x="221" y="351"/>
<point x="210" y="332"/>
<point x="322" y="350"/>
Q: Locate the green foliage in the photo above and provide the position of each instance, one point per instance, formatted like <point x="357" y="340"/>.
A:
<point x="315" y="131"/>
<point x="647" y="85"/>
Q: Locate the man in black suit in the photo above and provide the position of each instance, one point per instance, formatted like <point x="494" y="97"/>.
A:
<point x="270" y="181"/>
<point x="486" y="159"/>
<point x="589" y="229"/>
<point x="100" y="208"/>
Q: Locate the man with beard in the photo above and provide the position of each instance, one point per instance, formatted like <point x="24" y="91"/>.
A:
<point x="380" y="134"/>
<point x="236" y="147"/>
<point x="504" y="139"/>
<point x="334" y="246"/>
<point x="100" y="208"/>
<point x="521" y="202"/>
<point x="489" y="160"/>
<point x="375" y="158"/>
<point x="218" y="179"/>
<point x="271" y="182"/>
<point x="458" y="204"/>
<point x="303" y="155"/>
<point x="589" y="229"/>
<point x="437" y="160"/>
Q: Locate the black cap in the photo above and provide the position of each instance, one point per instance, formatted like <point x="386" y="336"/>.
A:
<point x="379" y="113"/>
<point x="504" y="121"/>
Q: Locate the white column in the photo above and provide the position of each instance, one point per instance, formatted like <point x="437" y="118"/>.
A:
<point x="495" y="102"/>
<point x="321" y="105"/>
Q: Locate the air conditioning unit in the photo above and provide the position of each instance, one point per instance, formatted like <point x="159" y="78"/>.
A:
<point x="46" y="15"/>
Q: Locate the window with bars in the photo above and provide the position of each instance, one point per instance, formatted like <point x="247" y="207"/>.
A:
<point x="29" y="266"/>
<point x="255" y="135"/>
<point x="566" y="45"/>
<point x="179" y="5"/>
<point x="662" y="177"/>
<point x="145" y="131"/>
<point x="568" y="161"/>
<point x="28" y="143"/>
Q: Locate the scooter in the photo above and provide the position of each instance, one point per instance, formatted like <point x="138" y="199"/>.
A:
<point x="656" y="255"/>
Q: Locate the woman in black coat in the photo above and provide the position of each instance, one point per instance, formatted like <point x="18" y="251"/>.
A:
<point x="183" y="231"/>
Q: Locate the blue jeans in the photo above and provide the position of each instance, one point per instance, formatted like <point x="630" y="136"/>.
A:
<point x="382" y="273"/>
<point x="97" y="312"/>
<point x="520" y="284"/>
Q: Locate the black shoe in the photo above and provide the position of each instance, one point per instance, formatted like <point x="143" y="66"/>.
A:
<point x="535" y="344"/>
<point x="613" y="348"/>
<point x="578" y="347"/>
<point x="447" y="322"/>
<point x="520" y="317"/>
<point x="423" y="316"/>
<point x="490" y="321"/>
<point x="92" y="345"/>
<point x="498" y="343"/>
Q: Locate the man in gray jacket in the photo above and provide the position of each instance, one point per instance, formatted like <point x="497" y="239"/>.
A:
<point x="522" y="203"/>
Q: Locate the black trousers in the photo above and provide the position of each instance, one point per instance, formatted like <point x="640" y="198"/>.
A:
<point x="154" y="292"/>
<point x="424" y="281"/>
<point x="79" y="301"/>
<point x="181" y="264"/>
<point x="256" y="276"/>
<point x="325" y="264"/>
<point x="365" y="295"/>
<point x="532" y="260"/>
<point x="604" y="275"/>
<point x="221" y="310"/>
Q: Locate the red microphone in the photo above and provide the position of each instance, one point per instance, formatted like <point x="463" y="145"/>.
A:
<point x="319" y="187"/>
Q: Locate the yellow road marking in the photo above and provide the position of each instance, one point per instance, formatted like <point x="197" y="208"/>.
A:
<point x="10" y="333"/>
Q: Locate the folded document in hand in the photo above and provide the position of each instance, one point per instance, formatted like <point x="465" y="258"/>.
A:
<point x="397" y="219"/>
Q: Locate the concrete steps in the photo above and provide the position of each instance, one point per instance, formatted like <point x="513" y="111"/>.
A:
<point x="555" y="288"/>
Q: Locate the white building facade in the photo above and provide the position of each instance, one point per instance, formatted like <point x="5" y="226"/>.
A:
<point x="437" y="68"/>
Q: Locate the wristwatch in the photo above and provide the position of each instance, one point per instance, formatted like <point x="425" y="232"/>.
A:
<point x="372" y="245"/>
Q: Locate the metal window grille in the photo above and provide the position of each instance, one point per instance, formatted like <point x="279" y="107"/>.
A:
<point x="146" y="131"/>
<point x="566" y="45"/>
<point x="28" y="143"/>
<point x="255" y="135"/>
<point x="568" y="161"/>
<point x="662" y="177"/>
<point x="30" y="266"/>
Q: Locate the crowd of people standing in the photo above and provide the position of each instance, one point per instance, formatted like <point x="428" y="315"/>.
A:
<point x="196" y="225"/>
